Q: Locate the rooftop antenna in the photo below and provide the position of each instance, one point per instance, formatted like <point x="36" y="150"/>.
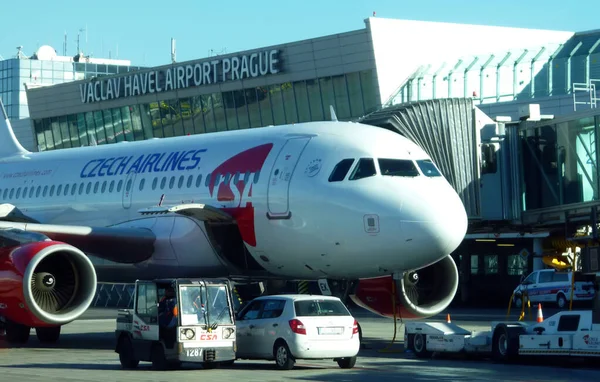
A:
<point x="78" y="39"/>
<point x="173" y="51"/>
<point x="65" y="45"/>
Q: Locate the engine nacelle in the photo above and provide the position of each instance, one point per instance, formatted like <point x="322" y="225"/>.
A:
<point x="45" y="283"/>
<point x="419" y="294"/>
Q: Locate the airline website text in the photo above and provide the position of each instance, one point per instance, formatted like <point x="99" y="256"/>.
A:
<point x="143" y="163"/>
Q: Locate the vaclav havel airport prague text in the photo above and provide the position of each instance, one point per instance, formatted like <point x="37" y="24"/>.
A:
<point x="181" y="77"/>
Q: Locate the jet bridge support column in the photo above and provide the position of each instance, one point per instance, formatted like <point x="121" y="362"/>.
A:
<point x="596" y="302"/>
<point x="538" y="250"/>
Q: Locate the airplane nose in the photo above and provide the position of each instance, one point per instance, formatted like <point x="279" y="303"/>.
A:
<point x="439" y="221"/>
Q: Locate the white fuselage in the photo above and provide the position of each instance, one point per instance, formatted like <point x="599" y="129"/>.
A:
<point x="274" y="181"/>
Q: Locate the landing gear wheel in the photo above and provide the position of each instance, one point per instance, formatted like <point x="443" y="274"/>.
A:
<point x="420" y="345"/>
<point x="346" y="363"/>
<point x="283" y="357"/>
<point x="48" y="335"/>
<point x="561" y="301"/>
<point x="126" y="354"/>
<point x="16" y="333"/>
<point x="159" y="361"/>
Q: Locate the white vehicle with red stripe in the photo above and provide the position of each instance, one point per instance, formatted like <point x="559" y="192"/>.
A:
<point x="548" y="285"/>
<point x="291" y="327"/>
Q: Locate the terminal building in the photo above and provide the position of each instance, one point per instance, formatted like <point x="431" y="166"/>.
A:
<point x="475" y="88"/>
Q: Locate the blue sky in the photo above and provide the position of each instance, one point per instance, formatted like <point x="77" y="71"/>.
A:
<point x="141" y="31"/>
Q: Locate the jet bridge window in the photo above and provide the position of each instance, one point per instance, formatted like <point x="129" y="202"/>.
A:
<point x="340" y="170"/>
<point x="428" y="168"/>
<point x="365" y="168"/>
<point x="398" y="167"/>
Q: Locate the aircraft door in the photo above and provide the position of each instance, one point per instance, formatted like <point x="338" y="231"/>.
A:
<point x="281" y="175"/>
<point x="128" y="189"/>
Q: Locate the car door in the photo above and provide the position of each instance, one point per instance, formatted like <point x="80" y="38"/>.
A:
<point x="269" y="325"/>
<point x="529" y="285"/>
<point x="545" y="287"/>
<point x="246" y="341"/>
<point x="145" y="319"/>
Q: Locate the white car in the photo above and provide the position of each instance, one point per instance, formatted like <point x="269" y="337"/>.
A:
<point x="290" y="327"/>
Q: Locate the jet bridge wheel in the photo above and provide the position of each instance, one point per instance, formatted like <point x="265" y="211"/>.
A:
<point x="505" y="342"/>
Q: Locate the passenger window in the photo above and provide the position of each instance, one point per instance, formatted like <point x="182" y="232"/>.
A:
<point x="81" y="188"/>
<point x="73" y="188"/>
<point x="398" y="167"/>
<point x="128" y="186"/>
<point x="190" y="180"/>
<point x="154" y="183"/>
<point x="142" y="184"/>
<point x="112" y="186"/>
<point x="172" y="182"/>
<point x="340" y="170"/>
<point x="37" y="193"/>
<point x="103" y="187"/>
<point x="120" y="185"/>
<point x="560" y="277"/>
<point x="12" y="192"/>
<point x="180" y="183"/>
<point x="45" y="191"/>
<point x="252" y="312"/>
<point x="163" y="182"/>
<point x="31" y="190"/>
<point x="545" y="277"/>
<point x="66" y="190"/>
<point x="256" y="177"/>
<point x="5" y="194"/>
<point x="199" y="180"/>
<point x="88" y="188"/>
<point x="24" y="192"/>
<point x="96" y="186"/>
<point x="51" y="191"/>
<point x="227" y="178"/>
<point x="207" y="179"/>
<point x="58" y="190"/>
<point x="273" y="308"/>
<point x="365" y="168"/>
<point x="246" y="177"/>
<point x="18" y="193"/>
<point x="428" y="168"/>
<point x="236" y="178"/>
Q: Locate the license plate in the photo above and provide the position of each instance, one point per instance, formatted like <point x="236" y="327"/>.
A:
<point x="193" y="352"/>
<point x="329" y="331"/>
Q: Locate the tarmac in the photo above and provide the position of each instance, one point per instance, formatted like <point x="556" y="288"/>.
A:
<point x="85" y="352"/>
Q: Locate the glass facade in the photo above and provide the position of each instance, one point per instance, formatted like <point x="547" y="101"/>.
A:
<point x="352" y="95"/>
<point x="560" y="163"/>
<point x="14" y="73"/>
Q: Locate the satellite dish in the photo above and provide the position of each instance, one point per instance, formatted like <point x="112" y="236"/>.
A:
<point x="46" y="53"/>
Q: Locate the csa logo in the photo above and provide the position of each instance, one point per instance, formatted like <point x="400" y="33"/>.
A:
<point x="313" y="168"/>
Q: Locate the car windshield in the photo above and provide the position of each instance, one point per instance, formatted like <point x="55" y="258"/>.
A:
<point x="205" y="305"/>
<point x="315" y="308"/>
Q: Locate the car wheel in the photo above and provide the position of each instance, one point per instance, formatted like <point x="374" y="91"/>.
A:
<point x="159" y="361"/>
<point x="561" y="301"/>
<point x="518" y="301"/>
<point x="283" y="357"/>
<point x="420" y="345"/>
<point x="346" y="363"/>
<point x="126" y="354"/>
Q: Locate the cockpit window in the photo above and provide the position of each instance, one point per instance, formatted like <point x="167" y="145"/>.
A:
<point x="340" y="170"/>
<point x="363" y="169"/>
<point x="428" y="168"/>
<point x="398" y="167"/>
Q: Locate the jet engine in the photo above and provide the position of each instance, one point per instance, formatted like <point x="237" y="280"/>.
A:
<point x="43" y="283"/>
<point x="418" y="294"/>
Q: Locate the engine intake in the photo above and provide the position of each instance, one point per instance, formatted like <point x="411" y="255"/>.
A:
<point x="418" y="294"/>
<point x="57" y="283"/>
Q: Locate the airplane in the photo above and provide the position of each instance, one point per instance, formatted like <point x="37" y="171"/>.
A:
<point x="339" y="202"/>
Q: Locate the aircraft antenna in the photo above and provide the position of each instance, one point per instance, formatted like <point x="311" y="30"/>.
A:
<point x="332" y="112"/>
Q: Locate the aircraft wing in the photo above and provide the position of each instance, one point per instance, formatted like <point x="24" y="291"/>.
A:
<point x="119" y="244"/>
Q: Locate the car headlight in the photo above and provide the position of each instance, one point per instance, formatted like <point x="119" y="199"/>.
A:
<point x="188" y="333"/>
<point x="227" y="332"/>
